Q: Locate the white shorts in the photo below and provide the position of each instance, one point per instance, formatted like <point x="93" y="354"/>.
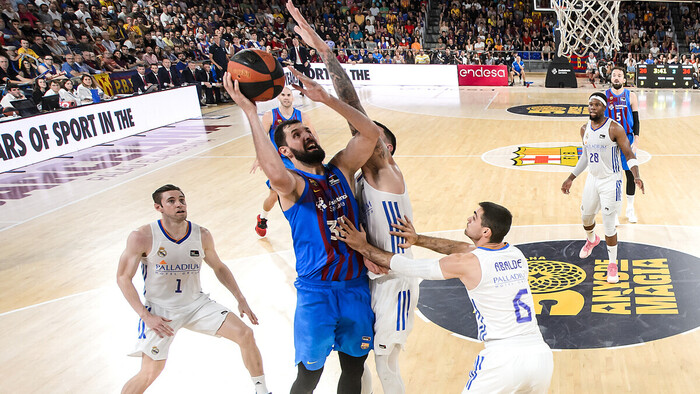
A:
<point x="512" y="366"/>
<point x="203" y="315"/>
<point x="602" y="194"/>
<point x="394" y="300"/>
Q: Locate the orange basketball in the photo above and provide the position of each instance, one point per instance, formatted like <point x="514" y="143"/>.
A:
<point x="259" y="75"/>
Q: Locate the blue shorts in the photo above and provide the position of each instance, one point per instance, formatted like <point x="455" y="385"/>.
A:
<point x="332" y="316"/>
<point x="622" y="155"/>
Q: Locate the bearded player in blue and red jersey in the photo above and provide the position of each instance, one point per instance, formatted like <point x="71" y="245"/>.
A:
<point x="333" y="310"/>
<point x="623" y="107"/>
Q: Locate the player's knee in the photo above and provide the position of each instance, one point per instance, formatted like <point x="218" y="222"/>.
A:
<point x="609" y="224"/>
<point x="244" y="336"/>
<point x="306" y="380"/>
<point x="150" y="370"/>
<point x="352" y="365"/>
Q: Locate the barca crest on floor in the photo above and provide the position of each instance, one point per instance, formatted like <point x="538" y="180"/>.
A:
<point x="658" y="296"/>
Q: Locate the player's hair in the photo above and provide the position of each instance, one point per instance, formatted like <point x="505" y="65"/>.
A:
<point x="158" y="194"/>
<point x="280" y="137"/>
<point x="622" y="70"/>
<point x="389" y="135"/>
<point x="496" y="217"/>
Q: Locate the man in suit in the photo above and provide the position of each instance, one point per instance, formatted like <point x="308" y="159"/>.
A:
<point x="300" y="57"/>
<point x="189" y="77"/>
<point x="168" y="74"/>
<point x="152" y="77"/>
<point x="139" y="82"/>
<point x="212" y="87"/>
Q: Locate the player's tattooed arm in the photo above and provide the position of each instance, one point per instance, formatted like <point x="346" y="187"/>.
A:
<point x="445" y="246"/>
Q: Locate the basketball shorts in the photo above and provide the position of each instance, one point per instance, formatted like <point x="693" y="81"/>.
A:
<point x="602" y="194"/>
<point x="203" y="315"/>
<point x="394" y="301"/>
<point x="332" y="316"/>
<point x="625" y="167"/>
<point x="512" y="366"/>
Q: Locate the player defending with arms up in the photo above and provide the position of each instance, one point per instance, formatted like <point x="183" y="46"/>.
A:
<point x="603" y="140"/>
<point x="495" y="273"/>
<point x="171" y="251"/>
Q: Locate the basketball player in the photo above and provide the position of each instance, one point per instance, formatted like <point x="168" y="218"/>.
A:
<point x="603" y="140"/>
<point x="623" y="107"/>
<point x="333" y="309"/>
<point x="171" y="251"/>
<point x="495" y="273"/>
<point x="271" y="119"/>
<point x="383" y="198"/>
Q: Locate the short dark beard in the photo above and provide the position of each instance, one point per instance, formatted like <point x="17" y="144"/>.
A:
<point x="311" y="158"/>
<point x="590" y="116"/>
<point x="617" y="87"/>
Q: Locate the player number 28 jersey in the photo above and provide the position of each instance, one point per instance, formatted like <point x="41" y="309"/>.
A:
<point x="603" y="154"/>
<point x="171" y="269"/>
<point x="502" y="301"/>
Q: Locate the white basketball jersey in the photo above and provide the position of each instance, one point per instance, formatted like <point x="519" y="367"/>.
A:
<point x="603" y="153"/>
<point x="378" y="211"/>
<point x="502" y="301"/>
<point x="171" y="269"/>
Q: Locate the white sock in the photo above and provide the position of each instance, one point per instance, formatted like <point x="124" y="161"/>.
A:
<point x="260" y="385"/>
<point x="264" y="213"/>
<point x="612" y="254"/>
<point x="630" y="203"/>
<point x="590" y="235"/>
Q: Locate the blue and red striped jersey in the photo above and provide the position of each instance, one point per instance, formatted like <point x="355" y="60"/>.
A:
<point x="319" y="253"/>
<point x="620" y="109"/>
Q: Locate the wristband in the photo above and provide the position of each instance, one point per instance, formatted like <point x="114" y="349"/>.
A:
<point x="631" y="163"/>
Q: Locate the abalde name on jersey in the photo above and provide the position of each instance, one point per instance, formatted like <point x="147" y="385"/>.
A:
<point x="506" y="280"/>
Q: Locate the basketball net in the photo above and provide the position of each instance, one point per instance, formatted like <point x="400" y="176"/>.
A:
<point x="587" y="25"/>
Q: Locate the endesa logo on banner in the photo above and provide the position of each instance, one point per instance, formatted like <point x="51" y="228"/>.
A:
<point x="475" y="75"/>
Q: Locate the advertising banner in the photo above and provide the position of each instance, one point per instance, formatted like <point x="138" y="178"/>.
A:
<point x="30" y="140"/>
<point x="386" y="74"/>
<point x="480" y="75"/>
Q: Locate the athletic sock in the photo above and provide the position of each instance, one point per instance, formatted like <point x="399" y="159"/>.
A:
<point x="264" y="213"/>
<point x="260" y="386"/>
<point x="612" y="254"/>
<point x="630" y="202"/>
<point x="590" y="235"/>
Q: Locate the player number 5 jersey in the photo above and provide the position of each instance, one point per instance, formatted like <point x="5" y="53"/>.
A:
<point x="171" y="269"/>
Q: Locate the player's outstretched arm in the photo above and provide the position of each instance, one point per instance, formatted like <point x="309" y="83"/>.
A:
<point x="269" y="159"/>
<point x="620" y="137"/>
<point x="224" y="275"/>
<point x="445" y="246"/>
<point x="341" y="82"/>
<point x="137" y="245"/>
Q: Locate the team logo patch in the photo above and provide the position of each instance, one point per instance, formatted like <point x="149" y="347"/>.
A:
<point x="333" y="180"/>
<point x="155" y="350"/>
<point x="576" y="308"/>
<point x="552" y="110"/>
<point x="382" y="346"/>
<point x="543" y="156"/>
<point x="162" y="252"/>
<point x="364" y="346"/>
<point x="194" y="253"/>
<point x="366" y="339"/>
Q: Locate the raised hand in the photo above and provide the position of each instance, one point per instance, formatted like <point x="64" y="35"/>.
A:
<point x="406" y="231"/>
<point x="312" y="90"/>
<point x="303" y="29"/>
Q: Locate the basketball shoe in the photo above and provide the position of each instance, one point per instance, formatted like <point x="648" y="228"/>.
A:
<point x="588" y="247"/>
<point x="261" y="227"/>
<point x="612" y="273"/>
<point x="631" y="215"/>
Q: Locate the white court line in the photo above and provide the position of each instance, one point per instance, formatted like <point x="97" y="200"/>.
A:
<point x="492" y="98"/>
<point x="122" y="183"/>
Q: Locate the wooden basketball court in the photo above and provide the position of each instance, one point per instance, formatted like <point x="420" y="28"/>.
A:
<point x="65" y="327"/>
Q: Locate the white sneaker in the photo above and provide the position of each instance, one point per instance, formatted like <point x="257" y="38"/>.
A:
<point x="631" y="216"/>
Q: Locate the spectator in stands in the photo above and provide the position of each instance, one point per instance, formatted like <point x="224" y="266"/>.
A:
<point x="168" y="74"/>
<point x="299" y="56"/>
<point x="69" y="67"/>
<point x="139" y="82"/>
<point x="85" y="89"/>
<point x="422" y="58"/>
<point x="592" y="68"/>
<point x="210" y="85"/>
<point x="13" y="94"/>
<point x="28" y="70"/>
<point x="517" y="69"/>
<point x="40" y="87"/>
<point x="84" y="67"/>
<point x="67" y="95"/>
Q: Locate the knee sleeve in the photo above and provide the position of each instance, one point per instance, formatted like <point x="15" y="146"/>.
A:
<point x="306" y="380"/>
<point x="609" y="224"/>
<point x="588" y="220"/>
<point x="388" y="371"/>
<point x="350" y="381"/>
<point x="631" y="187"/>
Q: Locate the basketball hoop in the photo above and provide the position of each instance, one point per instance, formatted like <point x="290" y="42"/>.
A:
<point x="587" y="25"/>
